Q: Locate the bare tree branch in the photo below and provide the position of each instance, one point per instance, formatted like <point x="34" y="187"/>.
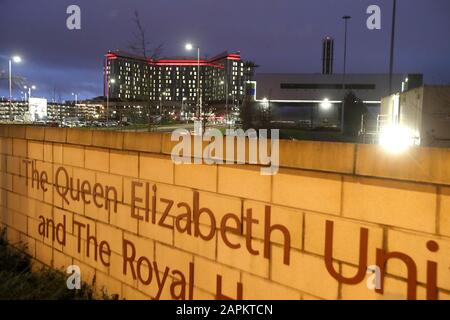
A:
<point x="141" y="45"/>
<point x="157" y="51"/>
<point x="17" y="81"/>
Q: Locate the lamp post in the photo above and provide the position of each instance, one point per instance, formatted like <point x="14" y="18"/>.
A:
<point x="183" y="114"/>
<point x="225" y="84"/>
<point x="110" y="83"/>
<point x="26" y="95"/>
<point x="391" y="64"/>
<point x="346" y="18"/>
<point x="265" y="114"/>
<point x="189" y="47"/>
<point x="163" y="102"/>
<point x="15" y="59"/>
<point x="76" y="101"/>
<point x="33" y="87"/>
<point x="76" y="97"/>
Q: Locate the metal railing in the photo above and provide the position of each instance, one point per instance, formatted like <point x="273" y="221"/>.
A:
<point x="371" y="127"/>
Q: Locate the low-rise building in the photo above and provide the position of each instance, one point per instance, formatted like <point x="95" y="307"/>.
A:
<point x="423" y="113"/>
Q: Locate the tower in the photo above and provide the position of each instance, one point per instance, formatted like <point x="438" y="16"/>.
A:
<point x="327" y="55"/>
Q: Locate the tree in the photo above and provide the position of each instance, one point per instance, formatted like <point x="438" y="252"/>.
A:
<point x="17" y="81"/>
<point x="354" y="109"/>
<point x="247" y="112"/>
<point x="141" y="45"/>
<point x="265" y="115"/>
<point x="249" y="70"/>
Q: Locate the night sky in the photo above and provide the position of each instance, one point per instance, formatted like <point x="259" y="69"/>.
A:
<point x="279" y="35"/>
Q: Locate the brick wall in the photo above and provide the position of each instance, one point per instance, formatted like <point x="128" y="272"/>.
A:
<point x="141" y="251"/>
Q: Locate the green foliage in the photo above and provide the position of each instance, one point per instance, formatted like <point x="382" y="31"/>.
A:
<point x="17" y="282"/>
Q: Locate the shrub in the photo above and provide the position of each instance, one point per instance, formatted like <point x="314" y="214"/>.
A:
<point x="18" y="282"/>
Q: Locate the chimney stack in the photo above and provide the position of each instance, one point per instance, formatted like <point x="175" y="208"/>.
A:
<point x="327" y="55"/>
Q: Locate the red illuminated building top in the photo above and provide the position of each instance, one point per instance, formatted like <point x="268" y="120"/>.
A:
<point x="213" y="62"/>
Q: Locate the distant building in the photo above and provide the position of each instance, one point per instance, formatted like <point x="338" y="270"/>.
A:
<point x="289" y="93"/>
<point x="424" y="113"/>
<point x="292" y="113"/>
<point x="315" y="100"/>
<point x="21" y="110"/>
<point x="367" y="87"/>
<point x="174" y="81"/>
<point x="37" y="109"/>
<point x="18" y="109"/>
<point x="84" y="110"/>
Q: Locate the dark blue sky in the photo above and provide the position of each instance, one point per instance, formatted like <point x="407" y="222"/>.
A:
<point x="279" y="35"/>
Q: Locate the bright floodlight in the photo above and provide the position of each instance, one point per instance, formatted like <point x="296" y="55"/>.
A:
<point x="395" y="139"/>
<point x="326" y="104"/>
<point x="265" y="104"/>
<point x="189" y="46"/>
<point x="112" y="80"/>
<point x="17" y="59"/>
<point x="33" y="87"/>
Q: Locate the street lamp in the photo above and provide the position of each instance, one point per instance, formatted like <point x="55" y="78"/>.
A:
<point x="26" y="90"/>
<point x="76" y="97"/>
<point x="183" y="114"/>
<point x="33" y="87"/>
<point x="76" y="101"/>
<point x="110" y="83"/>
<point x="346" y="18"/>
<point x="391" y="64"/>
<point x="325" y="104"/>
<point x="225" y="83"/>
<point x="15" y="59"/>
<point x="189" y="47"/>
<point x="264" y="115"/>
<point x="165" y="94"/>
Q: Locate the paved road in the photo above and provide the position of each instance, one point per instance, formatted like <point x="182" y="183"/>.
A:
<point x="172" y="127"/>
